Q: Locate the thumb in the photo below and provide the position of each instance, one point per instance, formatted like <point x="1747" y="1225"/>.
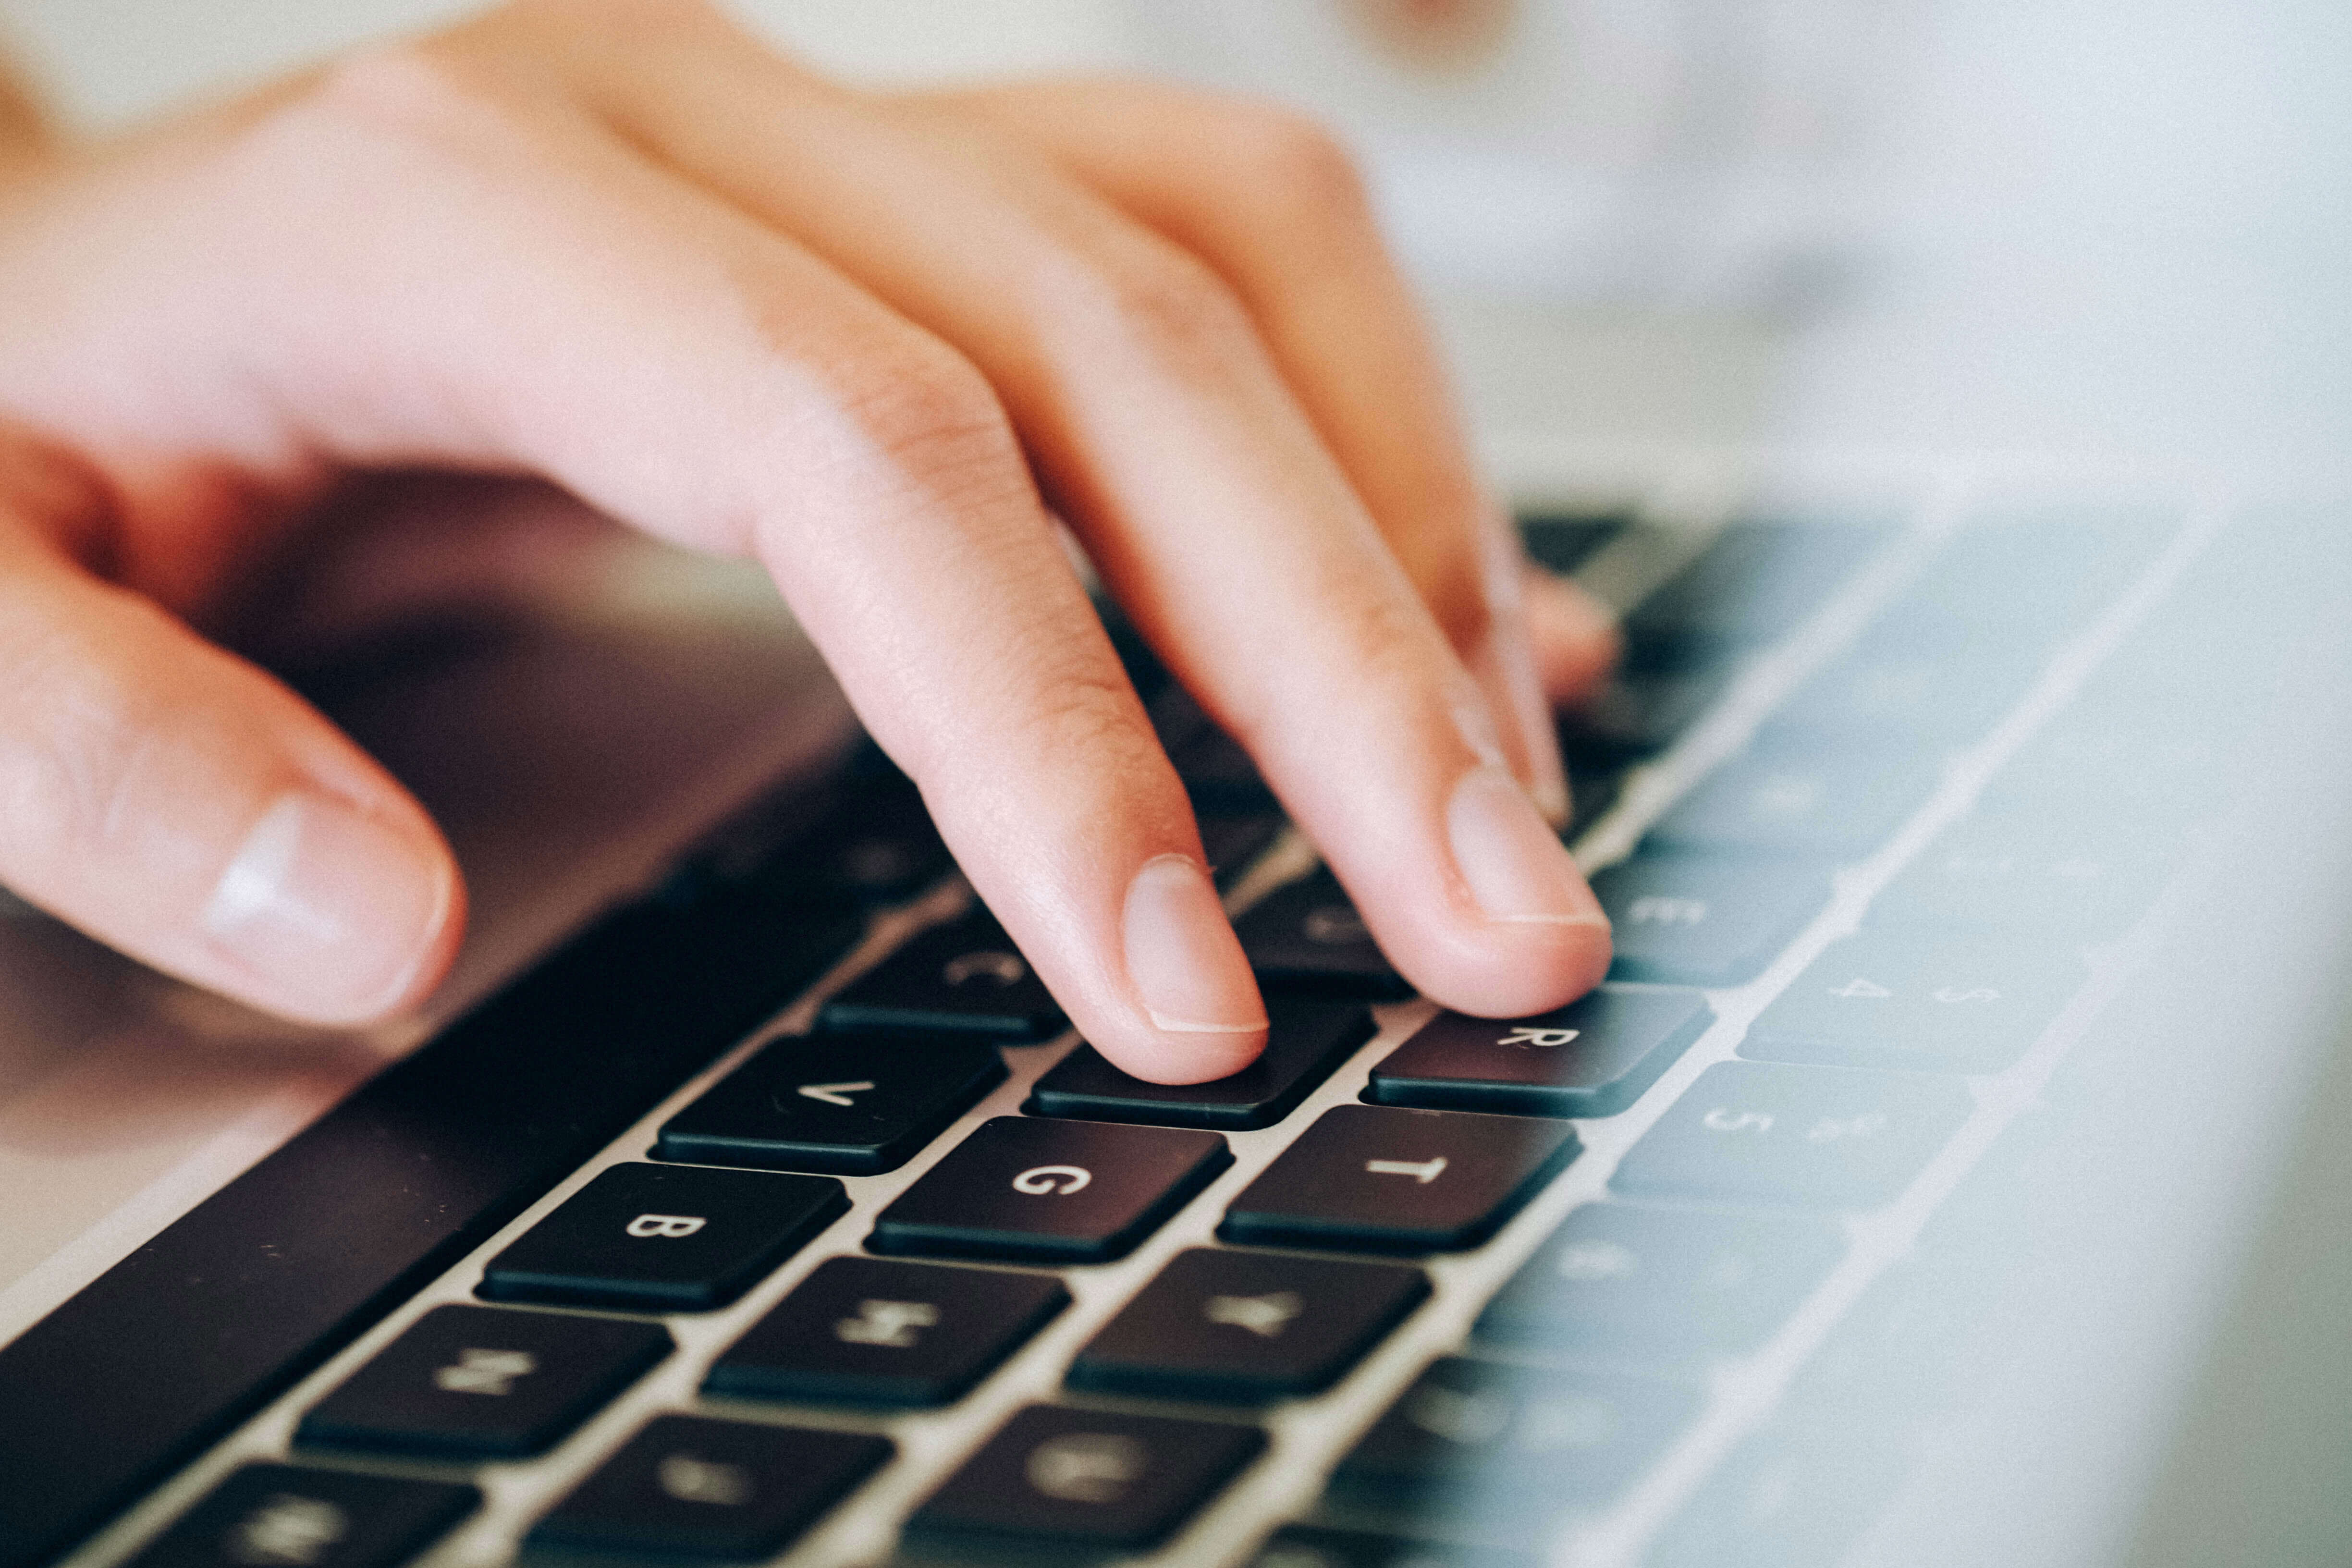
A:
<point x="178" y="803"/>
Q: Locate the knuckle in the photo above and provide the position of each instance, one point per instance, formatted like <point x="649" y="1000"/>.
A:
<point x="72" y="756"/>
<point x="931" y="414"/>
<point x="1295" y="159"/>
<point x="1171" y="306"/>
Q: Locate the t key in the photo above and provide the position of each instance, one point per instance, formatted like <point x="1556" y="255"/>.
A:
<point x="1064" y="1192"/>
<point x="853" y="1104"/>
<point x="664" y="1238"/>
<point x="1368" y="1180"/>
<point x="864" y="1330"/>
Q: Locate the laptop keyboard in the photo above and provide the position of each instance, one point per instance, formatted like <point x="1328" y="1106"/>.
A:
<point x="906" y="1276"/>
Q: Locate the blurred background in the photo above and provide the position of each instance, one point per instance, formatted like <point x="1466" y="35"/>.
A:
<point x="2080" y="223"/>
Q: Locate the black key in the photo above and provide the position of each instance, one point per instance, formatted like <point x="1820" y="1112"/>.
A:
<point x="1474" y="1440"/>
<point x="861" y="1330"/>
<point x="286" y="1516"/>
<point x="1660" y="1290"/>
<point x="853" y="1104"/>
<point x="1808" y="1137"/>
<point x="261" y="1282"/>
<point x="1639" y="712"/>
<point x="1233" y="843"/>
<point x="965" y="977"/>
<point x="1078" y="1479"/>
<point x="480" y="1383"/>
<point x="1593" y="785"/>
<point x="1307" y="937"/>
<point x="1833" y="804"/>
<point x="1218" y="773"/>
<point x="1363" y="1179"/>
<point x="1933" y="1004"/>
<point x="1559" y="542"/>
<point x="1245" y="1328"/>
<point x="878" y="846"/>
<point x="1318" y="1546"/>
<point x="1308" y="1040"/>
<point x="2060" y="882"/>
<point x="664" y="1238"/>
<point x="1754" y="583"/>
<point x="686" y="1486"/>
<point x="1700" y="920"/>
<point x="1059" y="1192"/>
<point x="1592" y="1058"/>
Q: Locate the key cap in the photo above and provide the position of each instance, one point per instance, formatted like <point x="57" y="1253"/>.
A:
<point x="1593" y="785"/>
<point x="1638" y="713"/>
<point x="1307" y="938"/>
<point x="289" y="1516"/>
<point x="1060" y="1192"/>
<point x="664" y="1238"/>
<point x="1756" y="581"/>
<point x="1243" y="1328"/>
<point x="1829" y="804"/>
<point x="1660" y="1290"/>
<point x="1318" y="1546"/>
<point x="862" y="1330"/>
<point x="965" y="977"/>
<point x="853" y="1104"/>
<point x="1306" y="1043"/>
<point x="1701" y="920"/>
<point x="2020" y="582"/>
<point x="1808" y="1137"/>
<point x="1926" y="1003"/>
<point x="689" y="1487"/>
<point x="1924" y="697"/>
<point x="1368" y="1179"/>
<point x="1508" y="1447"/>
<point x="1084" y="1480"/>
<point x="1592" y="1057"/>
<point x="1232" y="842"/>
<point x="1559" y="542"/>
<point x="2059" y="881"/>
<point x="484" y="1383"/>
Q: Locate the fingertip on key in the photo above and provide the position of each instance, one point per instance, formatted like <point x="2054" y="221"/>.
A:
<point x="1207" y="1018"/>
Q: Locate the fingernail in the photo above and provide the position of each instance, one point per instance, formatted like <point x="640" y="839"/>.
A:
<point x="1182" y="957"/>
<point x="1515" y="864"/>
<point x="332" y="910"/>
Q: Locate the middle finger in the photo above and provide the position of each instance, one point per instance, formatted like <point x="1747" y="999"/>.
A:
<point x="1160" y="424"/>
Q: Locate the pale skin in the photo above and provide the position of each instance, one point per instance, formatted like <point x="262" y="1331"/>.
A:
<point x="878" y="342"/>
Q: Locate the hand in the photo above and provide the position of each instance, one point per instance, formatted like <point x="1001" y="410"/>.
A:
<point x="870" y="341"/>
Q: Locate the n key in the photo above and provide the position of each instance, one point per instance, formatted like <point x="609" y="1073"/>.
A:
<point x="480" y="1383"/>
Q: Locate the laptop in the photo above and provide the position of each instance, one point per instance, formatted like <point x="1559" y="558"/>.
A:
<point x="1945" y="1173"/>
